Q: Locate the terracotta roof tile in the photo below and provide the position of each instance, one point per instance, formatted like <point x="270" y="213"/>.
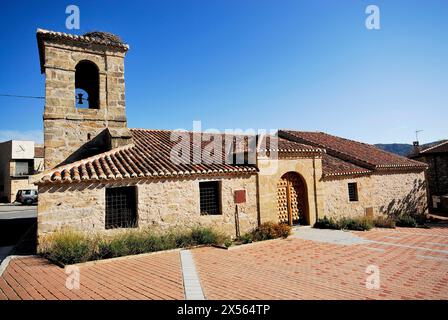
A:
<point x="149" y="156"/>
<point x="284" y="146"/>
<point x="439" y="148"/>
<point x="358" y="153"/>
<point x="332" y="166"/>
<point x="93" y="37"/>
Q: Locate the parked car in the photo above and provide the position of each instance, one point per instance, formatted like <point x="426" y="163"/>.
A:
<point x="27" y="197"/>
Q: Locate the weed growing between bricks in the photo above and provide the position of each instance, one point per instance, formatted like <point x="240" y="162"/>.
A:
<point x="68" y="247"/>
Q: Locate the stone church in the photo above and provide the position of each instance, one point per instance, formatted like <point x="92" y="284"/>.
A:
<point x="100" y="175"/>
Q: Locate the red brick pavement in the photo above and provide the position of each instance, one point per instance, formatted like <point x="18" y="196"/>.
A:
<point x="301" y="269"/>
<point x="413" y="264"/>
<point x="155" y="276"/>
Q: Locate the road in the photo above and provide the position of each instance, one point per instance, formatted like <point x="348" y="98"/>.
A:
<point x="15" y="221"/>
<point x="17" y="212"/>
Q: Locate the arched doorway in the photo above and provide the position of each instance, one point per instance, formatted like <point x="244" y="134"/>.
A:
<point x="292" y="199"/>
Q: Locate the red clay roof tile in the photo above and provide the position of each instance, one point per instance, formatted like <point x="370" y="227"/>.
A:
<point x="439" y="148"/>
<point x="358" y="153"/>
<point x="148" y="157"/>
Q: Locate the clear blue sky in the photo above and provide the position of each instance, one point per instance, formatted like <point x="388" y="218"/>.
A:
<point x="307" y="65"/>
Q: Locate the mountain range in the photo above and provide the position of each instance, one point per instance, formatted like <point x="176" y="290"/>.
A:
<point x="404" y="149"/>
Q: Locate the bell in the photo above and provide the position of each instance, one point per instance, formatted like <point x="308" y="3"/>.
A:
<point x="80" y="98"/>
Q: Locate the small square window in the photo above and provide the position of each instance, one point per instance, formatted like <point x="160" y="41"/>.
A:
<point x="210" y="198"/>
<point x="121" y="208"/>
<point x="353" y="191"/>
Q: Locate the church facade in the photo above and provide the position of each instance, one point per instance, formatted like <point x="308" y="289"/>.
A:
<point x="102" y="176"/>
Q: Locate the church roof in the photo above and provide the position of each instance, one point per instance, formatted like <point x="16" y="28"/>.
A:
<point x="271" y="143"/>
<point x="332" y="166"/>
<point x="149" y="157"/>
<point x="356" y="153"/>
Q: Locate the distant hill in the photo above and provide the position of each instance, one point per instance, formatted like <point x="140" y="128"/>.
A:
<point x="403" y="149"/>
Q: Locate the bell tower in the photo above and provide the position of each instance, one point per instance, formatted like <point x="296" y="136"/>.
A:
<point x="85" y="110"/>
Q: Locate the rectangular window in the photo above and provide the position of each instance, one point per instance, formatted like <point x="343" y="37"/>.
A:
<point x="121" y="208"/>
<point x="23" y="168"/>
<point x="210" y="198"/>
<point x="353" y="191"/>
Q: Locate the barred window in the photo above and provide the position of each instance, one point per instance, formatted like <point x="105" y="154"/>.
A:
<point x="210" y="198"/>
<point x="121" y="208"/>
<point x="353" y="191"/>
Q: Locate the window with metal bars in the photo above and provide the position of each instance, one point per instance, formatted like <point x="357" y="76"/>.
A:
<point x="210" y="198"/>
<point x="121" y="207"/>
<point x="353" y="191"/>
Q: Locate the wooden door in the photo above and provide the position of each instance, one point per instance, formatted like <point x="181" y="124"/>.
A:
<point x="291" y="199"/>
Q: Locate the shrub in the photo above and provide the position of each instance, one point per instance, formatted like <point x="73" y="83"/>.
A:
<point x="384" y="222"/>
<point x="356" y="224"/>
<point x="246" y="238"/>
<point x="270" y="230"/>
<point x="420" y="219"/>
<point x="345" y="223"/>
<point x="326" y="223"/>
<point x="282" y="230"/>
<point x="67" y="247"/>
<point x="228" y="243"/>
<point x="406" y="221"/>
<point x="204" y="236"/>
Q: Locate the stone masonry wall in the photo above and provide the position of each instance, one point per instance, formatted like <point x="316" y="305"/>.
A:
<point x="389" y="194"/>
<point x="66" y="128"/>
<point x="437" y="173"/>
<point x="161" y="204"/>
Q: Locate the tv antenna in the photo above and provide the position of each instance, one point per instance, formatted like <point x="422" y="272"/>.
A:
<point x="416" y="134"/>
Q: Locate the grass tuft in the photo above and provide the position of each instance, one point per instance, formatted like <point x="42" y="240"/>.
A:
<point x="69" y="247"/>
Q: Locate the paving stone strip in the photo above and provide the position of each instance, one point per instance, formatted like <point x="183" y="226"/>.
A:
<point x="329" y="236"/>
<point x="437" y="244"/>
<point x="431" y="258"/>
<point x="409" y="246"/>
<point x="4" y="264"/>
<point x="192" y="285"/>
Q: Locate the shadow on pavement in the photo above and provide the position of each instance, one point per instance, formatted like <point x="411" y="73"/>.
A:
<point x="20" y="233"/>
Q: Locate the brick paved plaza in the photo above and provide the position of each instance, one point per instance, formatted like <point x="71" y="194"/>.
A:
<point x="413" y="264"/>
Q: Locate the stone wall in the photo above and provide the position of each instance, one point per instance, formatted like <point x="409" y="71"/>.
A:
<point x="437" y="173"/>
<point x="161" y="204"/>
<point x="389" y="194"/>
<point x="67" y="128"/>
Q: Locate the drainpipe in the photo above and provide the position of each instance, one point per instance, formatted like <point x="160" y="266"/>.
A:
<point x="436" y="171"/>
<point x="257" y="185"/>
<point x="315" y="187"/>
<point x="258" y="200"/>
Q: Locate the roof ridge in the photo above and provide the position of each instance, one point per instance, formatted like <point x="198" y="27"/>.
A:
<point x="71" y="36"/>
<point x="354" y="159"/>
<point x="191" y="131"/>
<point x="433" y="147"/>
<point x="350" y="159"/>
